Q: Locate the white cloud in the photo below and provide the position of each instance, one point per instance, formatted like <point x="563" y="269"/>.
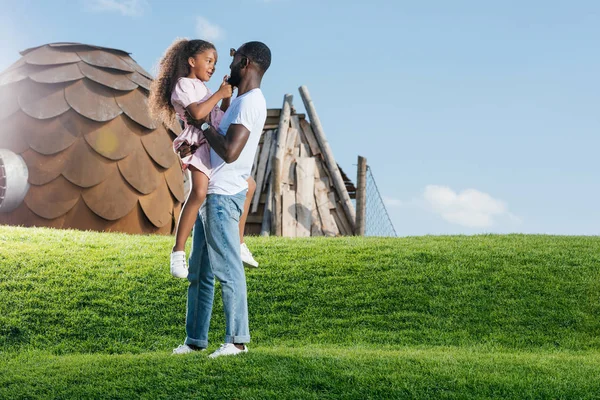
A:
<point x="206" y="30"/>
<point x="470" y="208"/>
<point x="391" y="202"/>
<point x="130" y="8"/>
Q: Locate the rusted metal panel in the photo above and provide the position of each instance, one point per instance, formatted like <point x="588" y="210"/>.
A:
<point x="78" y="125"/>
<point x="63" y="44"/>
<point x="160" y="147"/>
<point x="111" y="199"/>
<point x="46" y="136"/>
<point x="152" y="205"/>
<point x="46" y="55"/>
<point x="115" y="80"/>
<point x="42" y="101"/>
<point x="133" y="222"/>
<point x="57" y="74"/>
<point x="20" y="62"/>
<point x="82" y="217"/>
<point x="74" y="46"/>
<point x="9" y="103"/>
<point x="141" y="80"/>
<point x="92" y="100"/>
<point x="17" y="74"/>
<point x="135" y="105"/>
<point x="11" y="134"/>
<point x="86" y="168"/>
<point x="42" y="168"/>
<point x="114" y="139"/>
<point x="136" y="66"/>
<point x="53" y="199"/>
<point x="23" y="216"/>
<point x="174" y="178"/>
<point x="139" y="171"/>
<point x="102" y="58"/>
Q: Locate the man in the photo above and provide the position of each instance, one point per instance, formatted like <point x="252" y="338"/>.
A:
<point x="216" y="243"/>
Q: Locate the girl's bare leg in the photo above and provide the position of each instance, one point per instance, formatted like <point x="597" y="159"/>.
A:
<point x="190" y="209"/>
<point x="249" y="194"/>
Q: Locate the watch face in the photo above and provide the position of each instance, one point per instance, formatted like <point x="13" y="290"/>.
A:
<point x="204" y="126"/>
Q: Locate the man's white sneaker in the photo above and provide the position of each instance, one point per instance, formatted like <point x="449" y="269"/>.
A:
<point x="228" y="349"/>
<point x="247" y="258"/>
<point x="185" y="349"/>
<point x="178" y="265"/>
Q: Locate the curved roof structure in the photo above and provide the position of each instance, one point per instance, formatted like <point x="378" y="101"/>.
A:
<point x="78" y="116"/>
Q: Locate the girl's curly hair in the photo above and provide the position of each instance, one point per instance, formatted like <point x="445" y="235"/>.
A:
<point x="172" y="66"/>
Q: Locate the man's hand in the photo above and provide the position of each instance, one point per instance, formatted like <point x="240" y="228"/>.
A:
<point x="185" y="150"/>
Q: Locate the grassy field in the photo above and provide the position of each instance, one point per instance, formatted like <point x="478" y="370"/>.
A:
<point x="95" y="315"/>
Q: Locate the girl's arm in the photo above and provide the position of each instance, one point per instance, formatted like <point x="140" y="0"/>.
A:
<point x="201" y="110"/>
<point x="225" y="104"/>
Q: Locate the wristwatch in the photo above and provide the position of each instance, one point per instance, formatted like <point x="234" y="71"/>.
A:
<point x="204" y="127"/>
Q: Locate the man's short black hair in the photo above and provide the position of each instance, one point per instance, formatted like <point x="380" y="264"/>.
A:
<point x="259" y="53"/>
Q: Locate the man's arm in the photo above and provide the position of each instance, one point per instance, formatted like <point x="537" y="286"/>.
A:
<point x="230" y="146"/>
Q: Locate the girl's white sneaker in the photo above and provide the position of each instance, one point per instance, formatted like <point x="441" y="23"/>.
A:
<point x="247" y="257"/>
<point x="178" y="265"/>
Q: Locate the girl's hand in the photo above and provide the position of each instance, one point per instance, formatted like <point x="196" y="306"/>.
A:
<point x="226" y="90"/>
<point x="185" y="150"/>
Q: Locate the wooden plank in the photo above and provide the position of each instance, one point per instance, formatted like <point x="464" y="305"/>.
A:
<point x="265" y="229"/>
<point x="261" y="170"/>
<point x="305" y="187"/>
<point x="252" y="230"/>
<point x="290" y="167"/>
<point x="316" y="227"/>
<point x="338" y="221"/>
<point x="321" y="174"/>
<point x="332" y="200"/>
<point x="304" y="147"/>
<point x="254" y="219"/>
<point x="338" y="181"/>
<point x="273" y="112"/>
<point x="329" y="227"/>
<point x="255" y="164"/>
<point x="296" y="148"/>
<point x="310" y="137"/>
<point x="270" y="161"/>
<point x="289" y="221"/>
<point x="295" y="122"/>
<point x="282" y="129"/>
<point x="291" y="141"/>
<point x="288" y="170"/>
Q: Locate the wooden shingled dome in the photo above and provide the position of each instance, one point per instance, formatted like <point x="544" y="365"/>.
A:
<point x="77" y="114"/>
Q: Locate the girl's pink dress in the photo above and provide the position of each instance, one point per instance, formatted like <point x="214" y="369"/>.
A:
<point x="186" y="92"/>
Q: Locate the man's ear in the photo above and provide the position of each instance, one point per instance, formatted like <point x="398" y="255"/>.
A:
<point x="244" y="62"/>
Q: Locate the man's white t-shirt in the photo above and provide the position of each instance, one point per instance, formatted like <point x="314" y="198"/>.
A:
<point x="250" y="110"/>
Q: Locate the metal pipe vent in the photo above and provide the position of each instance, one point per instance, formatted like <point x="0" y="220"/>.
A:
<point x="13" y="180"/>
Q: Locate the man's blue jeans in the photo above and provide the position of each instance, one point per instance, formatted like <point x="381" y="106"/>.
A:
<point x="216" y="253"/>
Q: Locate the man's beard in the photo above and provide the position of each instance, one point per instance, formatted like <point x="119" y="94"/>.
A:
<point x="234" y="77"/>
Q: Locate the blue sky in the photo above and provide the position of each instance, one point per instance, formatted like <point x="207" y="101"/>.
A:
<point x="475" y="116"/>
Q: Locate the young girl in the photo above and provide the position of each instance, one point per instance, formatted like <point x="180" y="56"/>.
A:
<point x="180" y="87"/>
